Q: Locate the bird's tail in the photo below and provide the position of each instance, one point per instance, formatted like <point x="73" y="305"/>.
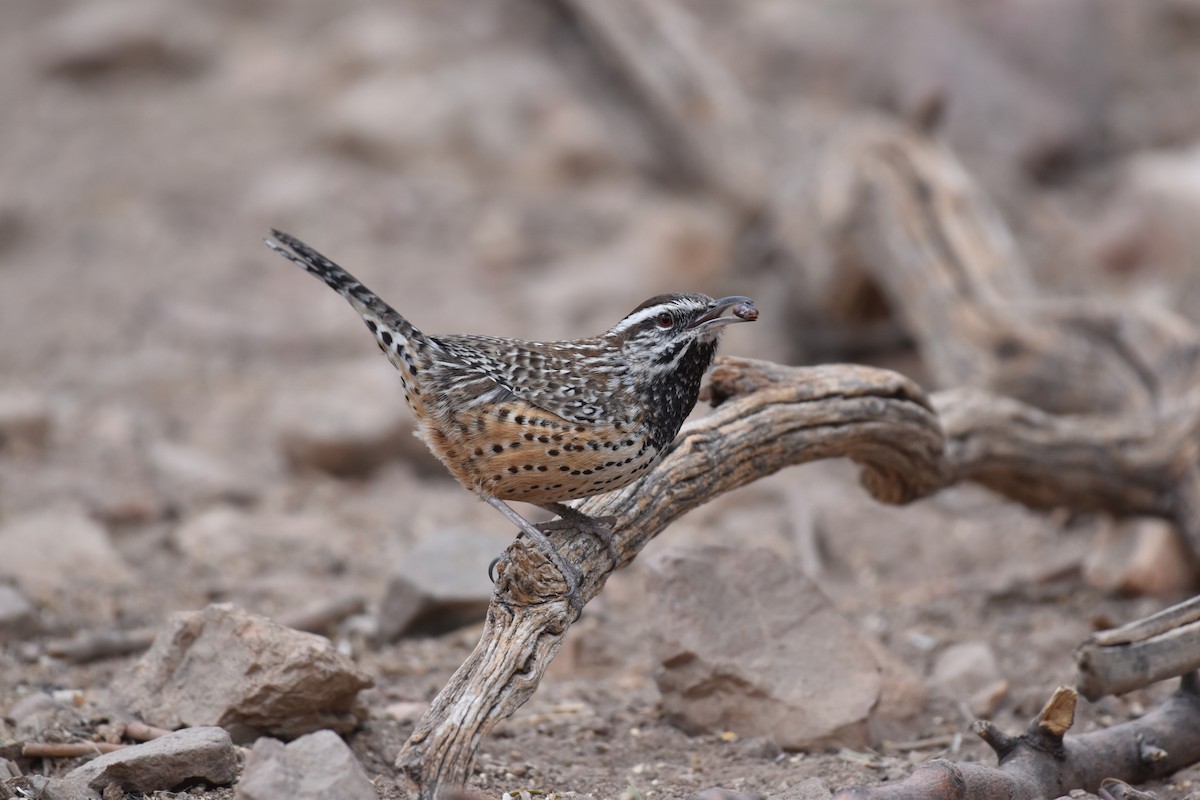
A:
<point x="382" y="319"/>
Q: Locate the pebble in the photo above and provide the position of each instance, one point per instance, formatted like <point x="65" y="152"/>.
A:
<point x="318" y="766"/>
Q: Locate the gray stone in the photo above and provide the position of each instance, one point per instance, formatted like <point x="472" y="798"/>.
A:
<point x="186" y="756"/>
<point x="224" y="666"/>
<point x="746" y="643"/>
<point x="314" y="767"/>
<point x="441" y="584"/>
<point x="17" y="617"/>
<point x="46" y="551"/>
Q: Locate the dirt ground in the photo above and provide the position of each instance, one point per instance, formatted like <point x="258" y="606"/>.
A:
<point x="457" y="157"/>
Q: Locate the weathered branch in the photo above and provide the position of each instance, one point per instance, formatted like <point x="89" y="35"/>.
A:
<point x="1043" y="762"/>
<point x="1039" y="459"/>
<point x="878" y="418"/>
<point x="1149" y="650"/>
<point x="770" y="417"/>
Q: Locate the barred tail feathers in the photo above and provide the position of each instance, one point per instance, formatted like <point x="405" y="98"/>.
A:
<point x="397" y="337"/>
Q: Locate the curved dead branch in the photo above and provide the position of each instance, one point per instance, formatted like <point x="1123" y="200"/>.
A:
<point x="1044" y="762"/>
<point x="878" y="418"/>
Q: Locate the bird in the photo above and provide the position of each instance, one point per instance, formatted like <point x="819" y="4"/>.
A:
<point x="545" y="422"/>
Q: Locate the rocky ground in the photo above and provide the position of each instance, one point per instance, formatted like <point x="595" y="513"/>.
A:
<point x="189" y="424"/>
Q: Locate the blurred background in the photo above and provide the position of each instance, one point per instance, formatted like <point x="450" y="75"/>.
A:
<point x="185" y="417"/>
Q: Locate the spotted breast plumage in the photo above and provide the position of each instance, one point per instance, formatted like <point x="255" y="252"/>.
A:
<point x="546" y="422"/>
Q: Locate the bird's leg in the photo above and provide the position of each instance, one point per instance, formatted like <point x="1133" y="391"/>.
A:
<point x="570" y="574"/>
<point x="600" y="527"/>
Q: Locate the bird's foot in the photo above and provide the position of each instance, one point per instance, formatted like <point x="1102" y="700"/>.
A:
<point x="573" y="519"/>
<point x="570" y="574"/>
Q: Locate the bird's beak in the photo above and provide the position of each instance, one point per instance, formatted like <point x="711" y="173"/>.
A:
<point x="742" y="307"/>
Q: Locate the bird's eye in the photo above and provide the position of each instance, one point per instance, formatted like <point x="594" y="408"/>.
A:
<point x="665" y="319"/>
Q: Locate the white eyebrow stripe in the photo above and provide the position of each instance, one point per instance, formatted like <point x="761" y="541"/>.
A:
<point x="647" y="313"/>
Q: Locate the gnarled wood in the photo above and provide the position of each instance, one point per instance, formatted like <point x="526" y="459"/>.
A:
<point x="1164" y="645"/>
<point x="1043" y="762"/>
<point x="769" y="417"/>
<point x="876" y="417"/>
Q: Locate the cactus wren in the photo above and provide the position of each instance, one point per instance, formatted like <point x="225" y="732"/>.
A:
<point x="546" y="422"/>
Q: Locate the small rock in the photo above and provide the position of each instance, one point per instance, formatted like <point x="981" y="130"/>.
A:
<point x="224" y="666"/>
<point x="25" y="421"/>
<point x="349" y="421"/>
<point x="746" y="643"/>
<point x="48" y="551"/>
<point x="182" y="757"/>
<point x="8" y="770"/>
<point x="963" y="669"/>
<point x="314" y="767"/>
<point x="17" y="618"/>
<point x="440" y="585"/>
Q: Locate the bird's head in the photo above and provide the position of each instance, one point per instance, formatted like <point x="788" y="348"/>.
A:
<point x="673" y="332"/>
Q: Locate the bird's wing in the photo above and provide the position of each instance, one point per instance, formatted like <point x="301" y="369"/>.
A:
<point x="575" y="384"/>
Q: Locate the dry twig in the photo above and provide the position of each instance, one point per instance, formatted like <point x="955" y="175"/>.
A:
<point x="1044" y="762"/>
<point x="1149" y="650"/>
